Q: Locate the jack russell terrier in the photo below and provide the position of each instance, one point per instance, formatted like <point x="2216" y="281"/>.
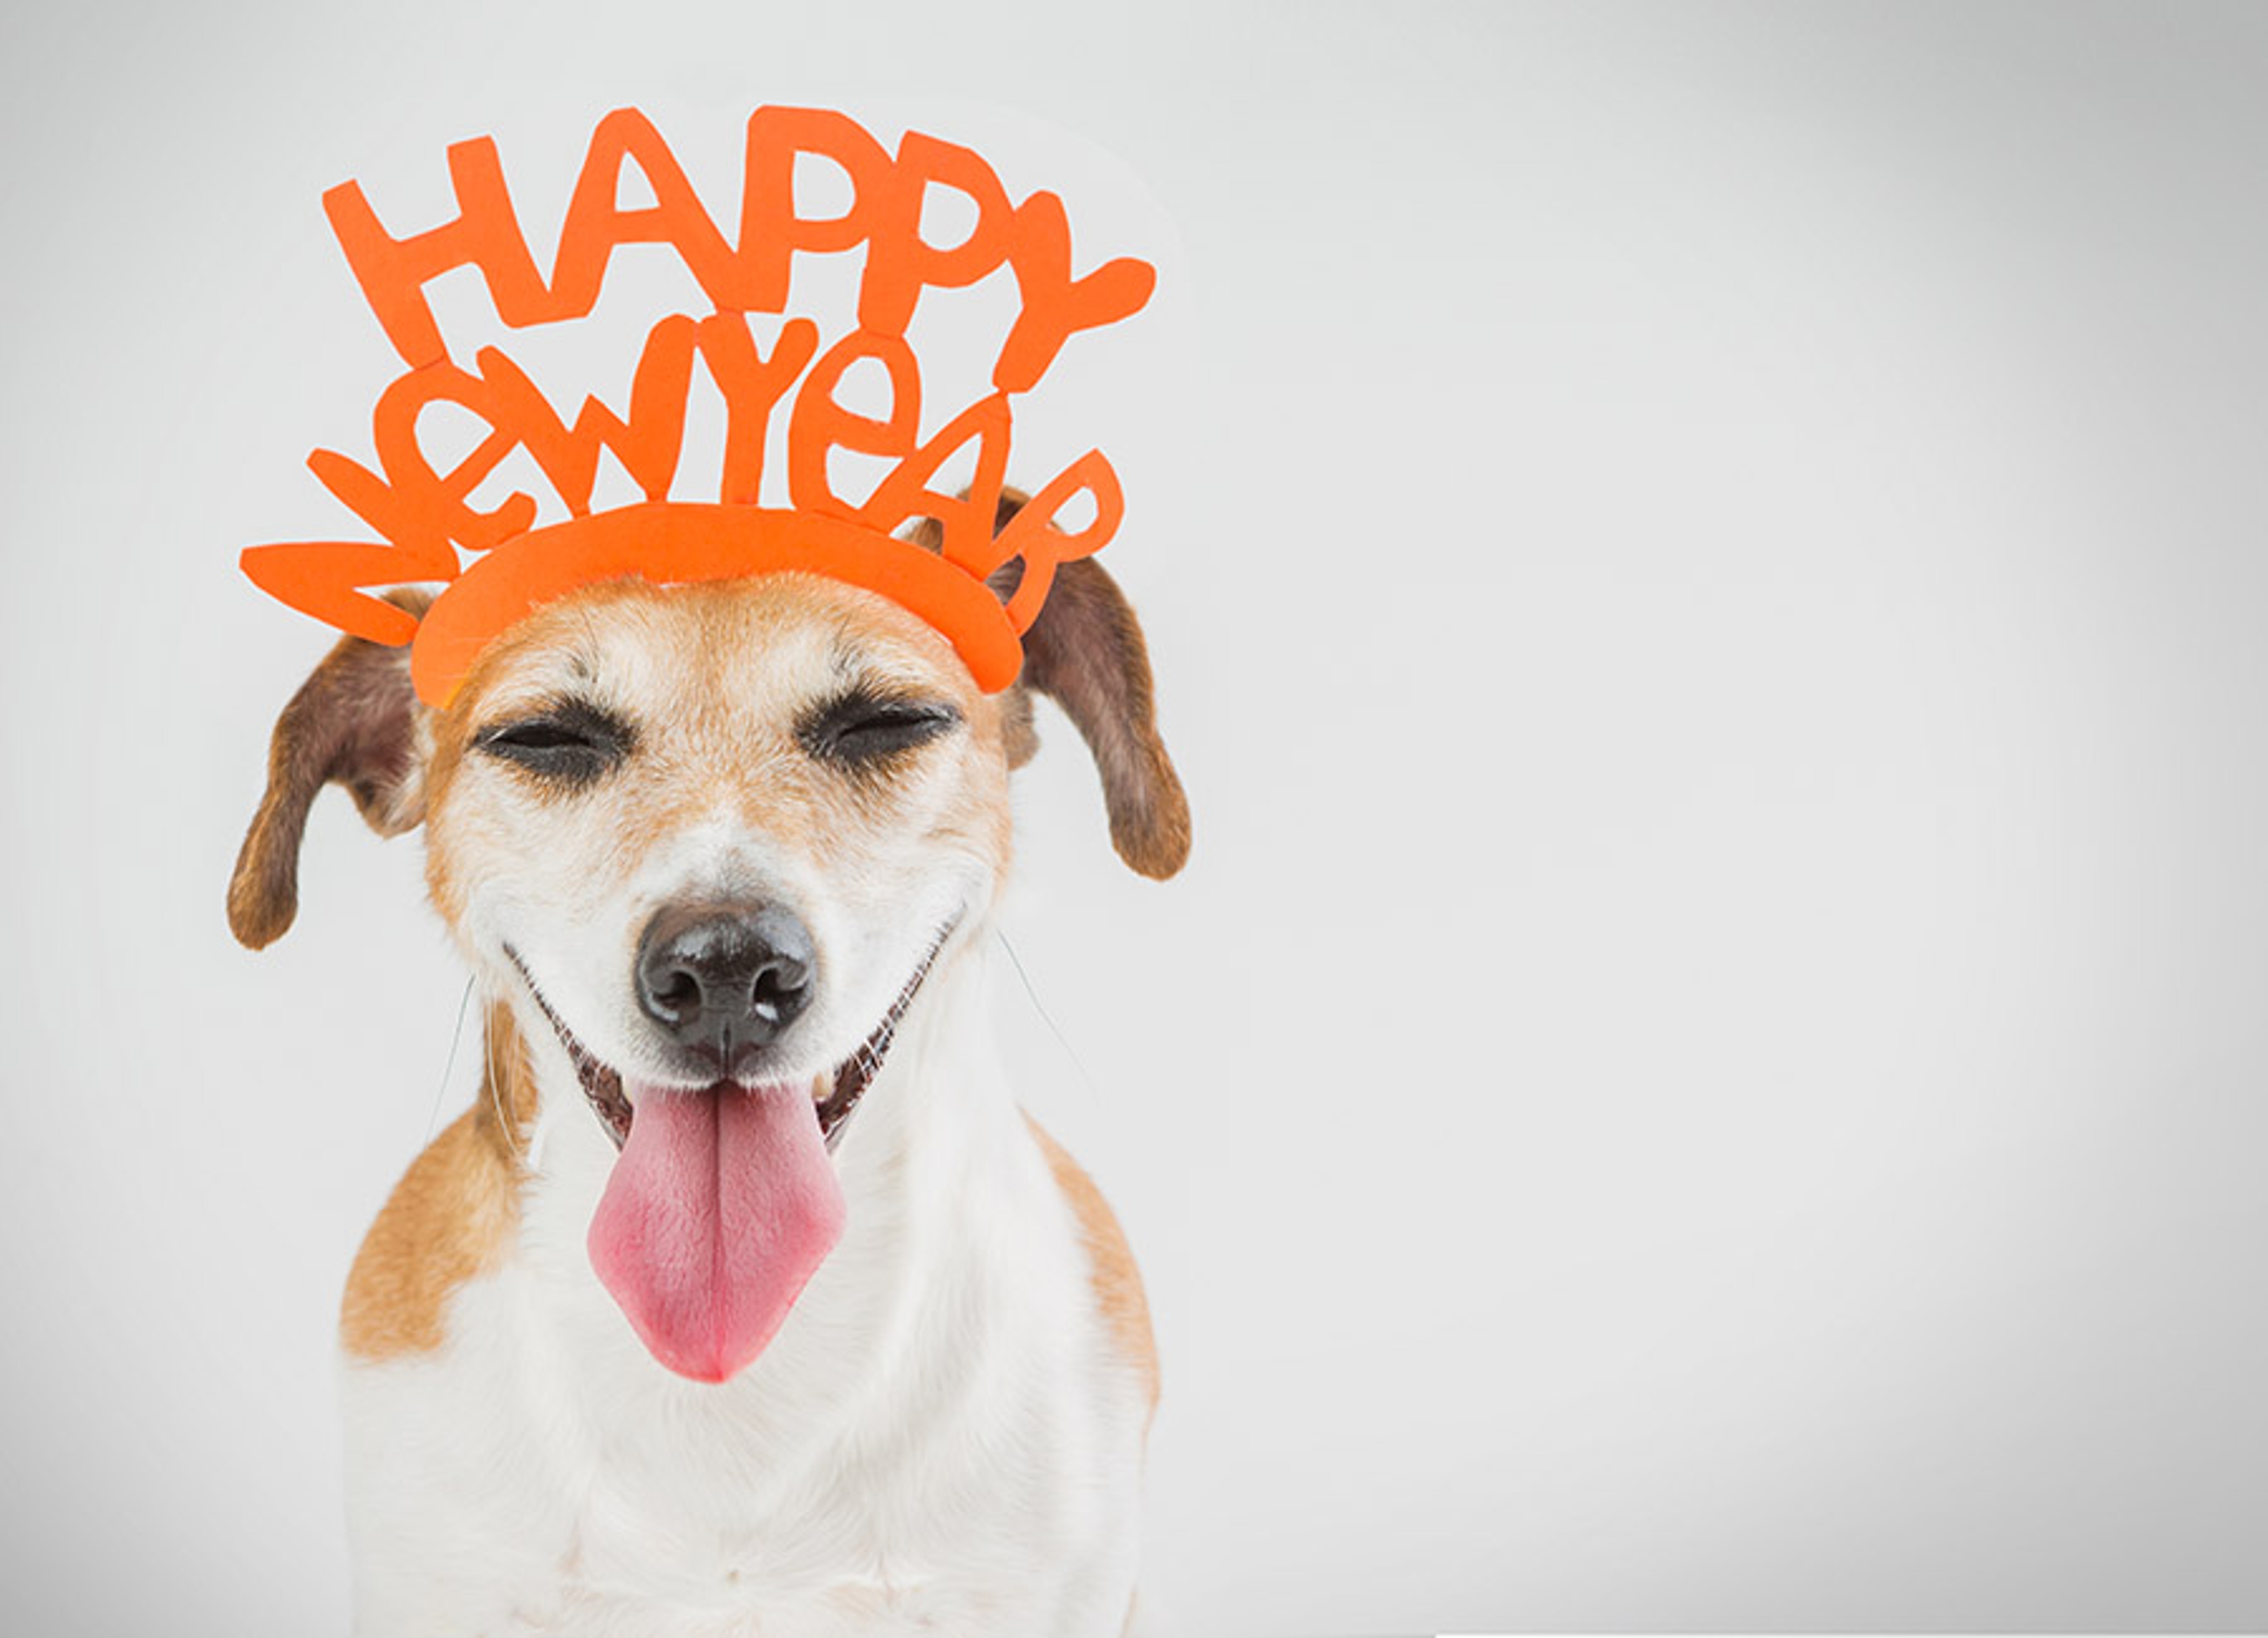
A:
<point x="744" y="1300"/>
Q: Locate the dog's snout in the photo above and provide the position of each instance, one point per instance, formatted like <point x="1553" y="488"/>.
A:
<point x="717" y="978"/>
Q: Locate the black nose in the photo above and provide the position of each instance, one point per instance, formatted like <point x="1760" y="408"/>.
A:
<point x="718" y="977"/>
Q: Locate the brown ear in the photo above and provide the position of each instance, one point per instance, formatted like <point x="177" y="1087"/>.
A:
<point x="354" y="723"/>
<point x="1085" y="653"/>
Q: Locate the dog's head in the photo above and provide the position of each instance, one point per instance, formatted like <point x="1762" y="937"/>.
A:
<point x="713" y="837"/>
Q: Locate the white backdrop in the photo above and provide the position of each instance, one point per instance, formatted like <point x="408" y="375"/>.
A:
<point x="1706" y="570"/>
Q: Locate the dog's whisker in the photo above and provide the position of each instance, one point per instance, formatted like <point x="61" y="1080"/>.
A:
<point x="492" y="1085"/>
<point x="1046" y="1017"/>
<point x="449" y="1068"/>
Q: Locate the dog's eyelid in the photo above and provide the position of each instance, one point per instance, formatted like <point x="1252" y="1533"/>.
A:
<point x="886" y="700"/>
<point x="891" y="708"/>
<point x="564" y="718"/>
<point x="569" y="739"/>
<point x="869" y="721"/>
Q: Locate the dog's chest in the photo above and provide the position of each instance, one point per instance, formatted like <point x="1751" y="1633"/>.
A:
<point x="790" y="1581"/>
<point x="967" y="1466"/>
<point x="563" y="1515"/>
<point x="965" y="1526"/>
<point x="834" y="1567"/>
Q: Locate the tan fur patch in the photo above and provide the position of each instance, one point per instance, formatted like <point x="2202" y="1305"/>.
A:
<point x="449" y="1218"/>
<point x="1117" y="1281"/>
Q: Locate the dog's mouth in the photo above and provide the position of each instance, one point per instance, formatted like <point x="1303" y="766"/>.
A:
<point x="836" y="1091"/>
<point x="723" y="1199"/>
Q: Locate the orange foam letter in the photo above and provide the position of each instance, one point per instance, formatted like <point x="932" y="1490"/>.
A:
<point x="319" y="578"/>
<point x="485" y="234"/>
<point x="647" y="443"/>
<point x="821" y="423"/>
<point x="770" y="230"/>
<point x="966" y="520"/>
<point x="596" y="222"/>
<point x="1055" y="304"/>
<point x="752" y="385"/>
<point x="422" y="511"/>
<point x="900" y="263"/>
<point x="1030" y="536"/>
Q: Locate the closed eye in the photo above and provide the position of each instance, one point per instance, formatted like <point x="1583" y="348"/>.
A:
<point x="864" y="728"/>
<point x="573" y="742"/>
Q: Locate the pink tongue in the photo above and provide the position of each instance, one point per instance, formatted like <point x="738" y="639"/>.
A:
<point x="721" y="1205"/>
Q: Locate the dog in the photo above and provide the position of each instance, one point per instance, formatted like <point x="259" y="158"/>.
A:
<point x="744" y="1300"/>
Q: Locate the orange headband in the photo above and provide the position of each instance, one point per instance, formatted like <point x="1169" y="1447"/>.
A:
<point x="425" y="515"/>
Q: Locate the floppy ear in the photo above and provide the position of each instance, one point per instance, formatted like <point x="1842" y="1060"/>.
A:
<point x="1085" y="653"/>
<point x="354" y="723"/>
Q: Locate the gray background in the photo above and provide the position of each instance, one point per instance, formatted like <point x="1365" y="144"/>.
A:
<point x="1705" y="565"/>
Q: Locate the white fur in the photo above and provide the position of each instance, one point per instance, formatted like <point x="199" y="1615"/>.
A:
<point x="941" y="1438"/>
